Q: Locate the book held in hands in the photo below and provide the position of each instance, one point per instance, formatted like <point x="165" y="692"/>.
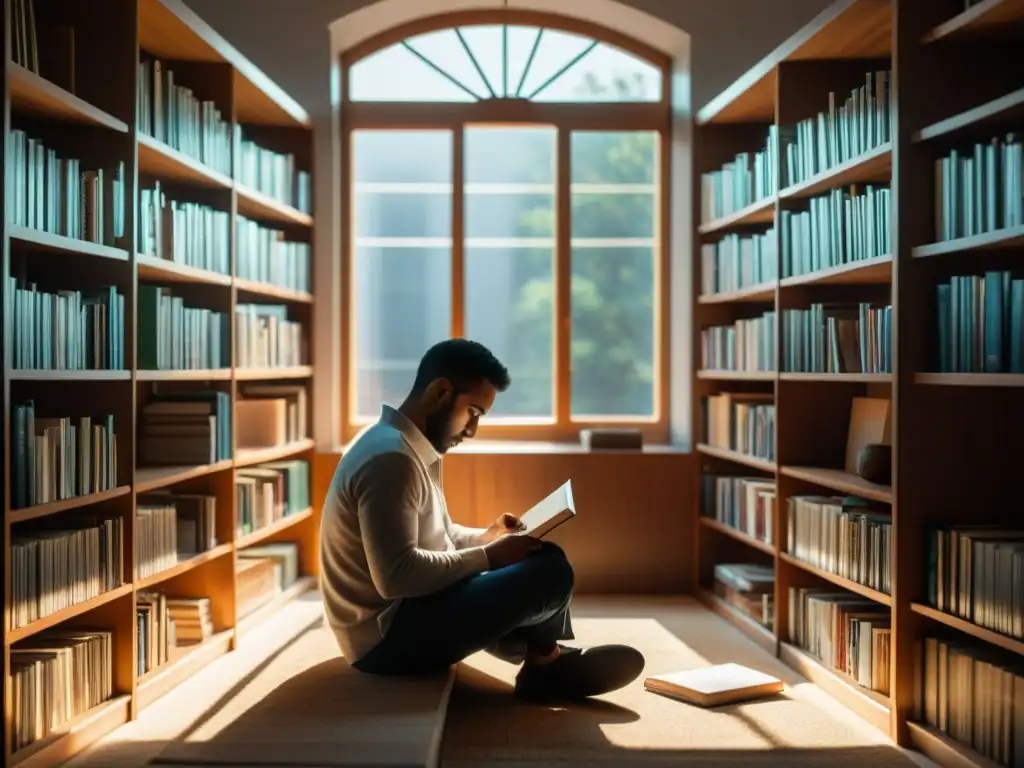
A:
<point x="550" y="512"/>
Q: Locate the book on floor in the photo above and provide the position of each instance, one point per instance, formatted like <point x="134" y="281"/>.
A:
<point x="550" y="512"/>
<point x="714" y="686"/>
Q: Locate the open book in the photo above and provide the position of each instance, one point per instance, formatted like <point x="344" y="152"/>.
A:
<point x="548" y="514"/>
<point x="714" y="686"/>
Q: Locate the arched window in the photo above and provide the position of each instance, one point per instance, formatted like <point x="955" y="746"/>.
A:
<point x="505" y="182"/>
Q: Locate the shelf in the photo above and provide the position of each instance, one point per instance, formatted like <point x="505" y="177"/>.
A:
<point x="971" y="379"/>
<point x="944" y="750"/>
<point x="865" y="703"/>
<point x="27" y="374"/>
<point x="152" y="268"/>
<point x="154" y="478"/>
<point x="989" y="19"/>
<point x="37" y="240"/>
<point x="762" y="292"/>
<point x="999" y="113"/>
<point x="218" y="374"/>
<point x="839" y="378"/>
<point x="756" y="631"/>
<point x="55" y="507"/>
<point x="274" y="528"/>
<point x="737" y="534"/>
<point x="249" y="622"/>
<point x="255" y="205"/>
<point x="712" y="375"/>
<point x="873" y="271"/>
<point x="761" y="212"/>
<point x="184" y="566"/>
<point x="159" y="160"/>
<point x="261" y="374"/>
<point x="839" y="581"/>
<point x="36" y="95"/>
<point x="873" y="166"/>
<point x="184" y="662"/>
<point x="1012" y="237"/>
<point x="246" y="457"/>
<point x="838" y="480"/>
<point x="272" y="291"/>
<point x="765" y="465"/>
<point x="68" y="740"/>
<point x="1011" y="644"/>
<point x="37" y="626"/>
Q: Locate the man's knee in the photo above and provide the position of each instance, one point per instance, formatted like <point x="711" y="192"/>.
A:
<point x="554" y="570"/>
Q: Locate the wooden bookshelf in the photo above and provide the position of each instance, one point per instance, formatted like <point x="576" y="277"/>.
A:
<point x="953" y="424"/>
<point x="96" y="110"/>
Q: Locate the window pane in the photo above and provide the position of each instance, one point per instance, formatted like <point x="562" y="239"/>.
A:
<point x="486" y="45"/>
<point x="401" y="270"/>
<point x="397" y="74"/>
<point x="444" y="51"/>
<point x="613" y="267"/>
<point x="556" y="50"/>
<point x="605" y="74"/>
<point x="509" y="259"/>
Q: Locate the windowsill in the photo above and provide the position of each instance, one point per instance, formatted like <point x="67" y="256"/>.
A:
<point x="543" y="447"/>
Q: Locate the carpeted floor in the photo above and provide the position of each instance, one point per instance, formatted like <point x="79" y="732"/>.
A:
<point x="802" y="727"/>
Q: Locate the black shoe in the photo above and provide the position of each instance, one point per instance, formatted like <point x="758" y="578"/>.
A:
<point x="580" y="673"/>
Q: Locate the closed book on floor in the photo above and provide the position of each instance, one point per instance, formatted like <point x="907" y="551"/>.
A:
<point x="714" y="686"/>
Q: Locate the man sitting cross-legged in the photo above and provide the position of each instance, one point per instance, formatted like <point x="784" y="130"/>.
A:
<point x="408" y="591"/>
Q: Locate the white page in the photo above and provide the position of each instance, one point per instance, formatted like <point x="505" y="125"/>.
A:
<point x="558" y="502"/>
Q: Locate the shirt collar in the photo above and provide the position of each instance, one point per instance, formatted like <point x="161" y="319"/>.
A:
<point x="424" y="450"/>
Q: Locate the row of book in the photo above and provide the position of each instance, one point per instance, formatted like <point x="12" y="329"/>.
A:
<point x="172" y="336"/>
<point x="53" y="193"/>
<point x="265" y="255"/>
<point x="65" y="330"/>
<point x="57" y="563"/>
<point x="173" y="114"/>
<point x="837" y="338"/>
<point x="749" y="588"/>
<point x="742" y="422"/>
<point x="844" y="226"/>
<point x="266" y="338"/>
<point x="271" y="414"/>
<point x="743" y="181"/>
<point x="746" y="504"/>
<point x="53" y="459"/>
<point x="738" y="261"/>
<point x="185" y="429"/>
<point x="183" y="232"/>
<point x="981" y="323"/>
<point x="980" y="188"/>
<point x="269" y="493"/>
<point x="746" y="345"/>
<point x="164" y="623"/>
<point x="274" y="174"/>
<point x="264" y="571"/>
<point x="171" y="527"/>
<point x="859" y="123"/>
<point x="841" y="535"/>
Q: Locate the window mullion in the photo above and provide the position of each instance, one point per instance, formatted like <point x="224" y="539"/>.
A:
<point x="458" y="229"/>
<point x="563" y="280"/>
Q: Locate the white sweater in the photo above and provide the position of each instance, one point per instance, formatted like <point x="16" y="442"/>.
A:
<point x="386" y="533"/>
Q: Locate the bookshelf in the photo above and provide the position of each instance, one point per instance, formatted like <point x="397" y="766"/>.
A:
<point x="157" y="316"/>
<point x="860" y="209"/>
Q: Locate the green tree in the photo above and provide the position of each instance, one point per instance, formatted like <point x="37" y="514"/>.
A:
<point x="612" y="287"/>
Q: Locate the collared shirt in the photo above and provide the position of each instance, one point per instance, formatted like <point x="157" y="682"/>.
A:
<point x="386" y="534"/>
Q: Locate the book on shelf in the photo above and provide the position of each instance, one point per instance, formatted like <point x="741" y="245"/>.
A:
<point x="744" y="503"/>
<point x="56" y="676"/>
<point x="981" y="323"/>
<point x="714" y="686"/>
<point x="737" y="261"/>
<point x="154" y="631"/>
<point x="741" y="422"/>
<point x="66" y="329"/>
<point x="171" y="113"/>
<point x="845" y="632"/>
<point x="748" y="587"/>
<point x="183" y="232"/>
<point x="844" y="226"/>
<point x="746" y="345"/>
<point x="57" y="562"/>
<point x="747" y="179"/>
<point x="174" y="337"/>
<point x="264" y="571"/>
<point x="837" y="338"/>
<point x="192" y="619"/>
<point x="171" y="527"/>
<point x="57" y="458"/>
<point x="870" y="424"/>
<point x="271" y="173"/>
<point x="265" y="255"/>
<point x="270" y="492"/>
<point x="295" y="397"/>
<point x="266" y="338"/>
<point x="185" y="429"/>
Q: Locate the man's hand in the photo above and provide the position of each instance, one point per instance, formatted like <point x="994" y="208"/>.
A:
<point x="510" y="549"/>
<point x="504" y="525"/>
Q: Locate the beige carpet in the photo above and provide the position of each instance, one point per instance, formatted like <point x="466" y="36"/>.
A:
<point x="802" y="727"/>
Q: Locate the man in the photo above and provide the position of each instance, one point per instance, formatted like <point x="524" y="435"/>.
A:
<point x="408" y="591"/>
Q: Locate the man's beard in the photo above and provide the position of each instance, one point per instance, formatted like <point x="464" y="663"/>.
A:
<point x="438" y="429"/>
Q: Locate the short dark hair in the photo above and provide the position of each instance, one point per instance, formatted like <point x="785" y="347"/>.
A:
<point x="464" y="363"/>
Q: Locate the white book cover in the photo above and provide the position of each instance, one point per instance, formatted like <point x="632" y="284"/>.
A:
<point x="549" y="513"/>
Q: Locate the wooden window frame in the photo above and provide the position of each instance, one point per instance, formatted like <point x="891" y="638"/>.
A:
<point x="565" y="118"/>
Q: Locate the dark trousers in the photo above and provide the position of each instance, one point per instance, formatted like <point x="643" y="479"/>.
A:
<point x="510" y="612"/>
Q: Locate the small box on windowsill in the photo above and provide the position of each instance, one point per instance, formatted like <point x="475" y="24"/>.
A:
<point x="612" y="439"/>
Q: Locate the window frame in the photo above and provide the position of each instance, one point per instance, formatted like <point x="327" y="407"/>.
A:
<point x="652" y="116"/>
